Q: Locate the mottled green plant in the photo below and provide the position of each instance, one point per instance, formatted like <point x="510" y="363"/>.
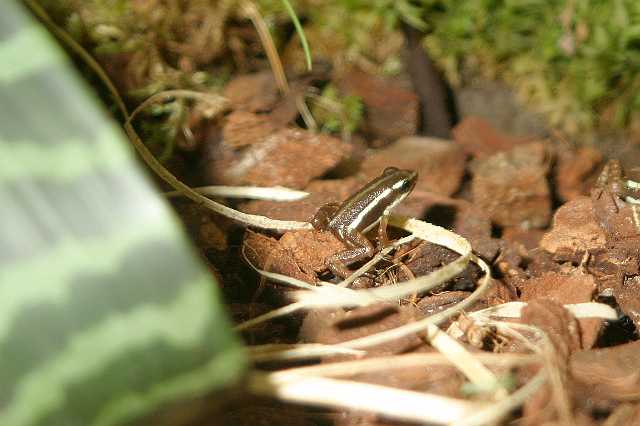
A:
<point x="106" y="313"/>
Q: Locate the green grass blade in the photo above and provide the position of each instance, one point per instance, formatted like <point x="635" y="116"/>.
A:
<point x="300" y="31"/>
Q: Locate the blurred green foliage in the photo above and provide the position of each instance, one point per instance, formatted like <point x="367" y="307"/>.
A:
<point x="336" y="112"/>
<point x="576" y="61"/>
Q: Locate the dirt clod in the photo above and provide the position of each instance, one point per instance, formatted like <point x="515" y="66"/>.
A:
<point x="391" y="108"/>
<point x="252" y="92"/>
<point x="512" y="186"/>
<point x="574" y="230"/>
<point x="287" y="157"/>
<point x="574" y="287"/>
<point x="311" y="248"/>
<point x="610" y="373"/>
<point x="575" y="171"/>
<point x="480" y="139"/>
<point x="268" y="254"/>
<point x="245" y="128"/>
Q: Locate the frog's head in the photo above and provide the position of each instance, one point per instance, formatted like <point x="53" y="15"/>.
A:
<point x="401" y="181"/>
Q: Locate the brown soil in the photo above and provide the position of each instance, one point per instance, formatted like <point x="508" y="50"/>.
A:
<point x="526" y="201"/>
<point x="527" y="204"/>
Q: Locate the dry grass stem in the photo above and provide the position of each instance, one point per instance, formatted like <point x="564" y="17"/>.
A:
<point x="579" y="310"/>
<point x="285" y="310"/>
<point x="350" y="368"/>
<point x="251" y="11"/>
<point x="464" y="361"/>
<point x="390" y="402"/>
<point x="280" y="352"/>
<point x="246" y="219"/>
<point x="274" y="193"/>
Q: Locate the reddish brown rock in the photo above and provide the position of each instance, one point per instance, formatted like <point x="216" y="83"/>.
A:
<point x="474" y="225"/>
<point x="610" y="373"/>
<point x="245" y="128"/>
<point x="480" y="139"/>
<point x="576" y="287"/>
<point x="524" y="239"/>
<point x="428" y="257"/>
<point x="288" y="157"/>
<point x="566" y="288"/>
<point x="391" y="109"/>
<point x="311" y="248"/>
<point x="575" y="171"/>
<point x="575" y="229"/>
<point x="252" y="92"/>
<point x="512" y="186"/>
<point x="268" y="254"/>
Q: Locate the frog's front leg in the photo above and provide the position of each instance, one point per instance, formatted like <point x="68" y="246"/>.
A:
<point x="360" y="248"/>
<point x="382" y="240"/>
<point x="324" y="214"/>
<point x="610" y="180"/>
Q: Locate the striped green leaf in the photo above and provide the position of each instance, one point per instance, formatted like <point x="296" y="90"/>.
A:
<point x="105" y="313"/>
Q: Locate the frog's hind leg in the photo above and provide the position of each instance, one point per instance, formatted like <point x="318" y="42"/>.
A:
<point x="360" y="248"/>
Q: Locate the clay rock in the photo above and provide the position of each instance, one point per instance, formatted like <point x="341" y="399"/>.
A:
<point x="288" y="157"/>
<point x="512" y="186"/>
<point x="574" y="229"/>
<point x="391" y="108"/>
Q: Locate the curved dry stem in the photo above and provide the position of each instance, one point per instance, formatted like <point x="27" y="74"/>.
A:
<point x="281" y="352"/>
<point x="81" y="52"/>
<point x="545" y="348"/>
<point x="395" y="403"/>
<point x="285" y="310"/>
<point x="247" y="219"/>
<point x="369" y="365"/>
<point x="143" y="151"/>
<point x="579" y="310"/>
<point x="500" y="409"/>
<point x="421" y="325"/>
<point x="274" y="193"/>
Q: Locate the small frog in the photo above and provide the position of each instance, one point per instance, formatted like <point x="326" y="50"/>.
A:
<point x="621" y="188"/>
<point x="362" y="211"/>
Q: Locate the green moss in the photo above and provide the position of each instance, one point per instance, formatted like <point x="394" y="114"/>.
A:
<point x="336" y="112"/>
<point x="576" y="61"/>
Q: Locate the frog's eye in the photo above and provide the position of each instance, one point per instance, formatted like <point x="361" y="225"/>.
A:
<point x="390" y="170"/>
<point x="407" y="185"/>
